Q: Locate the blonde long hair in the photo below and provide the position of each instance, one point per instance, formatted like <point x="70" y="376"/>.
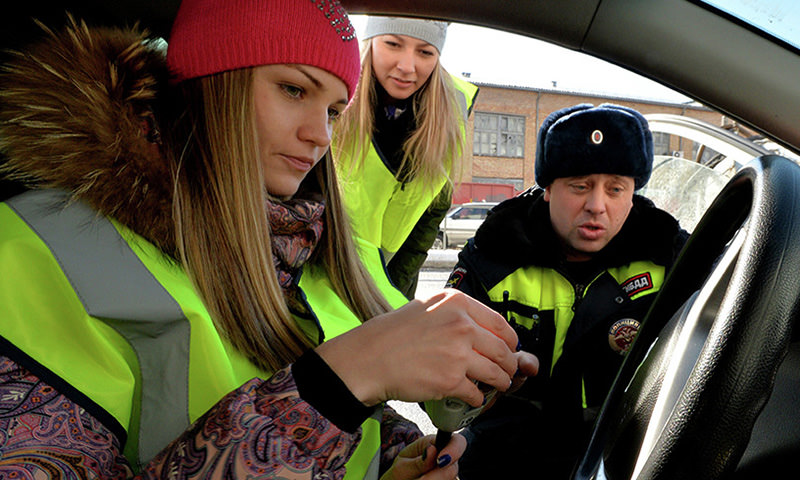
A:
<point x="434" y="149"/>
<point x="223" y="232"/>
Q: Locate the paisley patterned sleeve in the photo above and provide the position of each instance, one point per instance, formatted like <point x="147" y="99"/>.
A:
<point x="396" y="433"/>
<point x="261" y="429"/>
<point x="43" y="434"/>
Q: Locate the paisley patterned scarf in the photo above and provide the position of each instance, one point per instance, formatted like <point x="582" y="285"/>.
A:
<point x="296" y="229"/>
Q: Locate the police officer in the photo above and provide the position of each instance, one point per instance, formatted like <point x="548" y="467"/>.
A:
<point x="573" y="264"/>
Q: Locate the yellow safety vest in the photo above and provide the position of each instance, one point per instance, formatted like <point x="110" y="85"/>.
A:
<point x="108" y="313"/>
<point x="544" y="289"/>
<point x="384" y="210"/>
<point x="319" y="293"/>
<point x="541" y="292"/>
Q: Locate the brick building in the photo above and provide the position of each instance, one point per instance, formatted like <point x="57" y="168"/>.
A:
<point x="503" y="128"/>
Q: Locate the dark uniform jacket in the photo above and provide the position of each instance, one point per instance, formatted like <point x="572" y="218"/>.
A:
<point x="579" y="318"/>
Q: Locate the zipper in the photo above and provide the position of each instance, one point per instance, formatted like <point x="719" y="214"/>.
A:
<point x="580" y="290"/>
<point x="506" y="313"/>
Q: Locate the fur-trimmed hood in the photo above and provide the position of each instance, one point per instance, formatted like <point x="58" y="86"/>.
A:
<point x="78" y="113"/>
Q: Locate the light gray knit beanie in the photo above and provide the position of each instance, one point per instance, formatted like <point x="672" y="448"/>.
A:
<point x="429" y="31"/>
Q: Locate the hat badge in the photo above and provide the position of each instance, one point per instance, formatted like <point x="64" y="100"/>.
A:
<point x="597" y="137"/>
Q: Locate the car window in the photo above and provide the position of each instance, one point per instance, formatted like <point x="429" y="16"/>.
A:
<point x="778" y="18"/>
<point x="514" y="98"/>
<point x="683" y="188"/>
<point x="470" y="213"/>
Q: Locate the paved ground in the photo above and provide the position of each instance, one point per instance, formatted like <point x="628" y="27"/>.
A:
<point x="431" y="280"/>
<point x="441" y="259"/>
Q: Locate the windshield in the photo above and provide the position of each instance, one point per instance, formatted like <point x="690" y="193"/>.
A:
<point x="778" y="18"/>
<point x="683" y="188"/>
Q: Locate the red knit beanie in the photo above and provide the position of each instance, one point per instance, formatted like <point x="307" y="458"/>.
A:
<point x="212" y="36"/>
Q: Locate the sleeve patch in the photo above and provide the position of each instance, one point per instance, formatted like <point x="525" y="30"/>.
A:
<point x="456" y="277"/>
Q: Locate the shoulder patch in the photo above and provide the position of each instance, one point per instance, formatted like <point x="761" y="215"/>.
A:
<point x="456" y="277"/>
<point x="621" y="335"/>
<point x="637" y="284"/>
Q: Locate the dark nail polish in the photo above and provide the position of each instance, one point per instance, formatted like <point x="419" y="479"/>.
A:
<point x="519" y="346"/>
<point x="443" y="460"/>
<point x="424" y="454"/>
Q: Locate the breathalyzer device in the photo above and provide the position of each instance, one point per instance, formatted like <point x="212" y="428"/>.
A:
<point x="451" y="414"/>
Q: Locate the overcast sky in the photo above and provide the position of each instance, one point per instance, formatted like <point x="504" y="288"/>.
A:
<point x="491" y="56"/>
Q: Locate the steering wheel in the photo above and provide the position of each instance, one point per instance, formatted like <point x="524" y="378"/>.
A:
<point x="703" y="364"/>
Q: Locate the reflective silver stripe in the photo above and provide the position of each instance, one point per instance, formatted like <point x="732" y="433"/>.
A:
<point x="462" y="103"/>
<point x="375" y="464"/>
<point x="115" y="287"/>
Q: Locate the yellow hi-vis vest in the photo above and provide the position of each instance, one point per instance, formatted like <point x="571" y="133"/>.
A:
<point x="326" y="305"/>
<point x="384" y="210"/>
<point x="109" y="314"/>
<point x="544" y="289"/>
<point x="541" y="290"/>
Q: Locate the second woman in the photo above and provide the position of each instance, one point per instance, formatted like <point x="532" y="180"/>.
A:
<point x="400" y="143"/>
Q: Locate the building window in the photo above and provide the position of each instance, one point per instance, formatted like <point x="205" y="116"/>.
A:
<point x="499" y="135"/>
<point x="661" y="143"/>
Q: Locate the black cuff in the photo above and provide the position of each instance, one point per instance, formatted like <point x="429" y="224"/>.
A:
<point x="318" y="385"/>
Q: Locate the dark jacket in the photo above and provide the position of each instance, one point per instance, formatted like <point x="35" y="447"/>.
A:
<point x="608" y="295"/>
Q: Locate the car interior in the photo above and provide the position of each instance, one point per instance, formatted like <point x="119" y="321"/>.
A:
<point x="711" y="387"/>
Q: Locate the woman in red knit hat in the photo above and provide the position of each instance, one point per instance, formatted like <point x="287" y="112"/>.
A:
<point x="182" y="294"/>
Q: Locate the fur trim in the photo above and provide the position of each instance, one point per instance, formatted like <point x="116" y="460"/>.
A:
<point x="77" y="112"/>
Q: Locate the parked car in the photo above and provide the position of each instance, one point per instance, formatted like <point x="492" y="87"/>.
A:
<point x="460" y="223"/>
<point x="710" y="389"/>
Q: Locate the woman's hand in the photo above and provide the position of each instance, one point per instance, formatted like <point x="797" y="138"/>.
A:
<point x="420" y="460"/>
<point x="428" y="350"/>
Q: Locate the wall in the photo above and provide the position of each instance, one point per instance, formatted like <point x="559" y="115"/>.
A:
<point x="482" y="192"/>
<point x="535" y="105"/>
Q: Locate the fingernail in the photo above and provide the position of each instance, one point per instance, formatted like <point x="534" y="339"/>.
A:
<point x="424" y="454"/>
<point x="443" y="460"/>
<point x="519" y="346"/>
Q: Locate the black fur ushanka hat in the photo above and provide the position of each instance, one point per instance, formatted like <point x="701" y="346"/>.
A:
<point x="584" y="139"/>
